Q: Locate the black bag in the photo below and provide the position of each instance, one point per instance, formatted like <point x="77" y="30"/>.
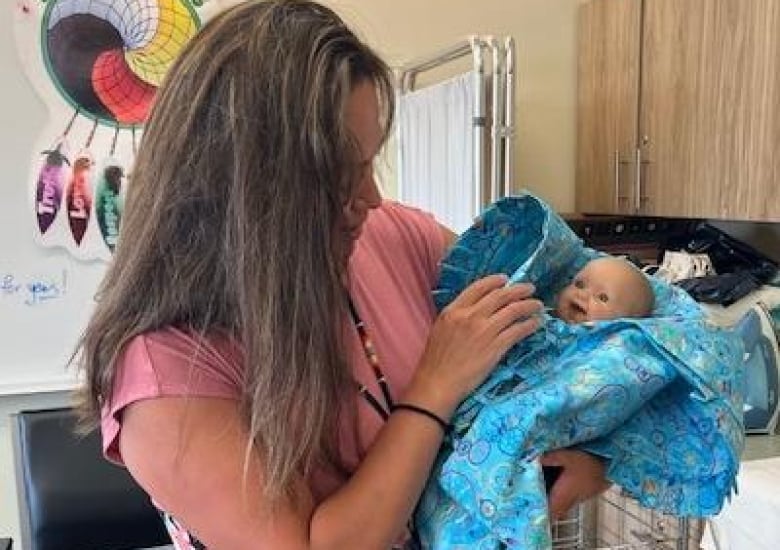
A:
<point x="730" y="255"/>
<point x="740" y="268"/>
<point x="722" y="289"/>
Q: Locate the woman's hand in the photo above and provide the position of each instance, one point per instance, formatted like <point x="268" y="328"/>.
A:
<point x="469" y="338"/>
<point x="581" y="478"/>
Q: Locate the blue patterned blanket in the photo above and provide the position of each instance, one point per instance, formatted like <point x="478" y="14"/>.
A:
<point x="658" y="398"/>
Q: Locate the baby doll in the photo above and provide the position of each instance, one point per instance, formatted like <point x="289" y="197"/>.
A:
<point x="606" y="288"/>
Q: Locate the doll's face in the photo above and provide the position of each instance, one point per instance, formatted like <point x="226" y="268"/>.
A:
<point x="606" y="288"/>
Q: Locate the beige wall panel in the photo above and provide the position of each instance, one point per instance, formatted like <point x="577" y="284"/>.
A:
<point x="544" y="31"/>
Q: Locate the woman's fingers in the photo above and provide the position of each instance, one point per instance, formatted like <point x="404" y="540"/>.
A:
<point x="517" y="310"/>
<point x="477" y="290"/>
<point x="515" y="332"/>
<point x="475" y="330"/>
<point x="511" y="313"/>
<point x="502" y="297"/>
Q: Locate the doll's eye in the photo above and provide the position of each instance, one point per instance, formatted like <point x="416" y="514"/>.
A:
<point x="579" y="283"/>
<point x="603" y="298"/>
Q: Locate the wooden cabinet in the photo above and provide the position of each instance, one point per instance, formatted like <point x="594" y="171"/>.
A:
<point x="608" y="103"/>
<point x="679" y="108"/>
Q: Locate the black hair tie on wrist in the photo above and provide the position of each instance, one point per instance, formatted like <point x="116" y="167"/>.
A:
<point x="425" y="412"/>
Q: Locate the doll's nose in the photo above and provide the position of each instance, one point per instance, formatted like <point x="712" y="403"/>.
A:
<point x="581" y="300"/>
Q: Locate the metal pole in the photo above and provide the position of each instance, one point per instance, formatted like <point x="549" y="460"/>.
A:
<point x="496" y="120"/>
<point x="509" y="115"/>
<point x="478" y="123"/>
<point x="413" y="68"/>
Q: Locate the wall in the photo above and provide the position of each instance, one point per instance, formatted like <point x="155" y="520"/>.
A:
<point x="401" y="30"/>
<point x="544" y="31"/>
<point x="20" y="121"/>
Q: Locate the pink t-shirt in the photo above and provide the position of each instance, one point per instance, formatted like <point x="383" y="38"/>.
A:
<point x="392" y="271"/>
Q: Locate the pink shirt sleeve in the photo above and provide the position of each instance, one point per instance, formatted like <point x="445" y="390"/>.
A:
<point x="170" y="363"/>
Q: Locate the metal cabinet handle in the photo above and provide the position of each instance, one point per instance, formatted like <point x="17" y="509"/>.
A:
<point x="616" y="167"/>
<point x="616" y="158"/>
<point x="638" y="181"/>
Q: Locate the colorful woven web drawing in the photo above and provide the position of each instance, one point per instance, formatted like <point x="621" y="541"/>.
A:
<point x="108" y="57"/>
<point x="105" y="60"/>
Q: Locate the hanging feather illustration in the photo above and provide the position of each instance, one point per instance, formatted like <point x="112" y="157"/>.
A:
<point x="78" y="196"/>
<point x="48" y="191"/>
<point x="108" y="201"/>
<point x="104" y="68"/>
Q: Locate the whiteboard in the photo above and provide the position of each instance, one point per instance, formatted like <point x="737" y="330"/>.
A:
<point x="46" y="296"/>
<point x="47" y="291"/>
<point x="45" y="301"/>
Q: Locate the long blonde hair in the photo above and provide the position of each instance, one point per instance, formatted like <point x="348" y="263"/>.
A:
<point x="231" y="215"/>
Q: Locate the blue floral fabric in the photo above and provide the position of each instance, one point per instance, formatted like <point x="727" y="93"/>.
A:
<point x="659" y="398"/>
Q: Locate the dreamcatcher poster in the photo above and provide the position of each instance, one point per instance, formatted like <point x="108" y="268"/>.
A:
<point x="97" y="65"/>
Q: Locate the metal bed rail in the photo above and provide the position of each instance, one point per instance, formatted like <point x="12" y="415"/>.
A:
<point x="494" y="73"/>
<point x="615" y="521"/>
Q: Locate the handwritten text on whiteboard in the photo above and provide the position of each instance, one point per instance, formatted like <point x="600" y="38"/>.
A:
<point x="32" y="291"/>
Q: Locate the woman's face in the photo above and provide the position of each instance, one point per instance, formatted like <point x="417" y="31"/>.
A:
<point x="363" y="122"/>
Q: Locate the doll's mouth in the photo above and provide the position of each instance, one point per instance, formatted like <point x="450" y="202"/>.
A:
<point x="578" y="312"/>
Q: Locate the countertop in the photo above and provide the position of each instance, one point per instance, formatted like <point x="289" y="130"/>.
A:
<point x="758" y="447"/>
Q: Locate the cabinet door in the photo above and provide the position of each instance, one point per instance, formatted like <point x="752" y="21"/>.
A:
<point x="608" y="80"/>
<point x="710" y="109"/>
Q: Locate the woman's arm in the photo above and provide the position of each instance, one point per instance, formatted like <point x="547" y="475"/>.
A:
<point x="582" y="477"/>
<point x="188" y="453"/>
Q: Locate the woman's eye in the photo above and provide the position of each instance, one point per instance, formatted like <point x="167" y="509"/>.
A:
<point x="579" y="284"/>
<point x="603" y="298"/>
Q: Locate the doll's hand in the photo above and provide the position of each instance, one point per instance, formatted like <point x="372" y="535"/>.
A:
<point x="582" y="477"/>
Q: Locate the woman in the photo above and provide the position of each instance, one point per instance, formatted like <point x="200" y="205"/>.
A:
<point x="228" y="359"/>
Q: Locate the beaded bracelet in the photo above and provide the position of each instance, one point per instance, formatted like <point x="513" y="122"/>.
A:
<point x="425" y="412"/>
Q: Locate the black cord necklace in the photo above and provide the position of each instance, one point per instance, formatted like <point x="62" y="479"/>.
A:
<point x="373" y="359"/>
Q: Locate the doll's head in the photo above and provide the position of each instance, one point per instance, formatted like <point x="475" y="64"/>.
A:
<point x="606" y="288"/>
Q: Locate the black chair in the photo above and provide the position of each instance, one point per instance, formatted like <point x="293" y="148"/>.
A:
<point x="70" y="497"/>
